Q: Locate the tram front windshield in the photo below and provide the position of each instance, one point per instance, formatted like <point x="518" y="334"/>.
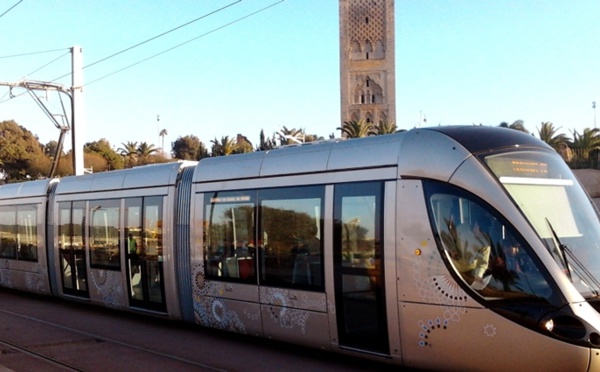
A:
<point x="550" y="197"/>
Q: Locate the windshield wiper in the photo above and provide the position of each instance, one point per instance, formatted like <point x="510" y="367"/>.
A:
<point x="585" y="272"/>
<point x="561" y="248"/>
<point x="581" y="270"/>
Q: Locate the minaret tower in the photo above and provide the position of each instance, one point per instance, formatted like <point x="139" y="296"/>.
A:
<point x="367" y="61"/>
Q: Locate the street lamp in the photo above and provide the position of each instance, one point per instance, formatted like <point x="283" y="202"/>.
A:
<point x="594" y="107"/>
<point x="158" y="128"/>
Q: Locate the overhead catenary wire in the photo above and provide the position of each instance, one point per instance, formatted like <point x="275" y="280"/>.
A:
<point x="11" y="8"/>
<point x="186" y="42"/>
<point x="155" y="37"/>
<point x="33" y="53"/>
<point x="49" y="63"/>
<point x="11" y="95"/>
<point x="2" y="99"/>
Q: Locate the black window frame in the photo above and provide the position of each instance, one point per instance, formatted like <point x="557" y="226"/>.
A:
<point x="432" y="187"/>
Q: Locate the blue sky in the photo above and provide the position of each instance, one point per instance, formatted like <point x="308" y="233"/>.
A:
<point x="457" y="62"/>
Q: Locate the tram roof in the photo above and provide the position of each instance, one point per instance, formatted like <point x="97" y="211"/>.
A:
<point x="478" y="139"/>
<point x="304" y="158"/>
<point x="138" y="177"/>
<point x="413" y="152"/>
<point x="25" y="189"/>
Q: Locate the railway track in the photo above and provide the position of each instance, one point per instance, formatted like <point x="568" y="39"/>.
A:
<point x="45" y="362"/>
<point x="41" y="359"/>
<point x="46" y="334"/>
<point x="71" y="349"/>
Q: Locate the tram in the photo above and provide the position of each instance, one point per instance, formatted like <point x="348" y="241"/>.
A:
<point x="446" y="248"/>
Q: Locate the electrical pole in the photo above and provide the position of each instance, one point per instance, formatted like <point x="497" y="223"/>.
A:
<point x="75" y="93"/>
<point x="77" y="114"/>
<point x="158" y="129"/>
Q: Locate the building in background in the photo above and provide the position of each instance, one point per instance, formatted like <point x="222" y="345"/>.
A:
<point x="367" y="61"/>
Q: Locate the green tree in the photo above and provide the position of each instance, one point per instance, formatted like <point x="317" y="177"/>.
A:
<point x="313" y="138"/>
<point x="517" y="125"/>
<point x="50" y="149"/>
<point x="265" y="144"/>
<point x="189" y="148"/>
<point x="162" y="135"/>
<point x="146" y="152"/>
<point x="550" y="135"/>
<point x="202" y="152"/>
<point x="386" y="127"/>
<point x="290" y="136"/>
<point x="18" y="150"/>
<point x="129" y="153"/>
<point x="55" y="154"/>
<point x="242" y="145"/>
<point x="226" y="146"/>
<point x="95" y="162"/>
<point x="39" y="167"/>
<point x="357" y="129"/>
<point x="92" y="160"/>
<point x="585" y="143"/>
<point x="104" y="150"/>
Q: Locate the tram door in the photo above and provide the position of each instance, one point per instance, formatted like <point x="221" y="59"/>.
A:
<point x="144" y="245"/>
<point x="71" y="248"/>
<point x="358" y="267"/>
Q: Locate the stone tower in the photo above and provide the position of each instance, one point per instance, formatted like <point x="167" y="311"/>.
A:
<point x="367" y="61"/>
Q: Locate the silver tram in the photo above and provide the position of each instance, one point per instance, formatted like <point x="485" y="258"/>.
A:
<point x="441" y="248"/>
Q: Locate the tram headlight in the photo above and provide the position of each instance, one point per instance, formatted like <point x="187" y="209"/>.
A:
<point x="567" y="327"/>
<point x="562" y="324"/>
<point x="548" y="325"/>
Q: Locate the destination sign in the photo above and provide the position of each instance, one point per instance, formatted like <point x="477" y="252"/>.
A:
<point x="504" y="166"/>
<point x="230" y="199"/>
<point x="529" y="167"/>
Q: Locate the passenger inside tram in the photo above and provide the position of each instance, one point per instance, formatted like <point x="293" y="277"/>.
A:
<point x="472" y="255"/>
<point x="487" y="253"/>
<point x="510" y="259"/>
<point x="132" y="249"/>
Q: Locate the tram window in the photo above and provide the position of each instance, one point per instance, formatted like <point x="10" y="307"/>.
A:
<point x="482" y="248"/>
<point x="153" y="225"/>
<point x="133" y="226"/>
<point x="230" y="246"/>
<point x="27" y="233"/>
<point x="77" y="227"/>
<point x="8" y="232"/>
<point x="18" y="232"/>
<point x="359" y="235"/>
<point x="291" y="229"/>
<point x="104" y="234"/>
<point x="71" y="246"/>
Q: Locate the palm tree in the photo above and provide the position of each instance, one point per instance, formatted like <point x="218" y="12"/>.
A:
<point x="386" y="127"/>
<point x="548" y="134"/>
<point x="586" y="142"/>
<point x="312" y="138"/>
<point x="290" y="136"/>
<point x="559" y="142"/>
<point x="357" y="129"/>
<point x="145" y="150"/>
<point x="129" y="153"/>
<point x="224" y="147"/>
<point x="517" y="125"/>
<point x="242" y="145"/>
<point x="162" y="135"/>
